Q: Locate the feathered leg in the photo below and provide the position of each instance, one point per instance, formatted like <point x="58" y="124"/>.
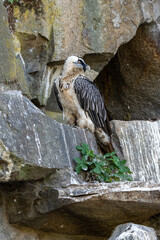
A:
<point x="71" y="120"/>
<point x="102" y="136"/>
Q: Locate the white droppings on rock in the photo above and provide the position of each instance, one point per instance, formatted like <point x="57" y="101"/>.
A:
<point x="85" y="136"/>
<point x="16" y="93"/>
<point x="46" y="79"/>
<point x="38" y="144"/>
<point x="20" y="55"/>
<point x="74" y="138"/>
<point x="5" y="156"/>
<point x="49" y="75"/>
<point x="28" y="137"/>
<point x="65" y="142"/>
<point x="73" y="179"/>
<point x="117" y="20"/>
<point x="121" y="2"/>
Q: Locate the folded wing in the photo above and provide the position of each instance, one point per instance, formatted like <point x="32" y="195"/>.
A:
<point x="91" y="101"/>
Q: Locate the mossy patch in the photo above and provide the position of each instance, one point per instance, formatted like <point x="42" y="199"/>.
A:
<point x="31" y="172"/>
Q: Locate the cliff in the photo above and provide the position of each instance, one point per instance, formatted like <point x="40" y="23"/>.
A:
<point x="42" y="197"/>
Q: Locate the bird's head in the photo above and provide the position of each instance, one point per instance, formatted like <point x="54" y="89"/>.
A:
<point x="76" y="65"/>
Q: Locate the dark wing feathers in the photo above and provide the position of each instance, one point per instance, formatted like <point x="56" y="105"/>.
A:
<point x="91" y="101"/>
<point x="57" y="97"/>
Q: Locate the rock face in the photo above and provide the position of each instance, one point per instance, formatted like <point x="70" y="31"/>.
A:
<point x="31" y="143"/>
<point x="11" y="67"/>
<point x="47" y="32"/>
<point x="139" y="143"/>
<point x="133" y="231"/>
<point x="58" y="200"/>
<point x="131" y="80"/>
<point x="89" y="209"/>
<point x="41" y="196"/>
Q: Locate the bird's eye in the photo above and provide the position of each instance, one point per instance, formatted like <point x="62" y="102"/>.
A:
<point x="79" y="61"/>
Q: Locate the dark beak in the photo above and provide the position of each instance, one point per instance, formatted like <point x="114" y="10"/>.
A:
<point x="86" y="67"/>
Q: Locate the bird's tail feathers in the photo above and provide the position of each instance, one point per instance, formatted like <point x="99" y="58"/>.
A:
<point x="104" y="141"/>
<point x="103" y="137"/>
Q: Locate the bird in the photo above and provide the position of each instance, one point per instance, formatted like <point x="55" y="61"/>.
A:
<point x="80" y="99"/>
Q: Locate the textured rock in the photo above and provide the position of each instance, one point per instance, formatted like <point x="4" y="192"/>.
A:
<point x="154" y="222"/>
<point x="32" y="23"/>
<point x="34" y="18"/>
<point x="11" y="68"/>
<point x="112" y="24"/>
<point x="132" y="231"/>
<point x="34" y="50"/>
<point x="10" y="232"/>
<point x="77" y="210"/>
<point x="139" y="143"/>
<point x="90" y="29"/>
<point x="40" y="151"/>
<point x="131" y="80"/>
<point x="33" y="145"/>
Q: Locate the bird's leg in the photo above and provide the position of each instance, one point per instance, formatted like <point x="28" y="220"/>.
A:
<point x="71" y="120"/>
<point x="84" y="122"/>
<point x="102" y="136"/>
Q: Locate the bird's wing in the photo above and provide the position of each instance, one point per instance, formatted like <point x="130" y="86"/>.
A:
<point x="91" y="101"/>
<point x="57" y="95"/>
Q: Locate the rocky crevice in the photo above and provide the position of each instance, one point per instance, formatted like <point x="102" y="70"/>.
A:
<point x="130" y="81"/>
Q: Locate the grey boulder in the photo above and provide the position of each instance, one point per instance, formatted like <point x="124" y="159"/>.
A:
<point x="131" y="231"/>
<point x="33" y="145"/>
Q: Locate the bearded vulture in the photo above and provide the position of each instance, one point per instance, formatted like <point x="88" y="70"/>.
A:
<point x="80" y="99"/>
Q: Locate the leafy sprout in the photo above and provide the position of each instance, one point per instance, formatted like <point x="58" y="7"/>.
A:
<point x="12" y="1"/>
<point x="106" y="168"/>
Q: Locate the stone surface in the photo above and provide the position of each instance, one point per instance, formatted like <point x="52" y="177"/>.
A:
<point x="47" y="32"/>
<point x="139" y="143"/>
<point x="33" y="145"/>
<point x="132" y="231"/>
<point x="10" y="232"/>
<point x="34" y="50"/>
<point x="154" y="222"/>
<point x="41" y="197"/>
<point x="34" y="18"/>
<point x="11" y="68"/>
<point x="130" y="83"/>
<point x="31" y="22"/>
<point x="86" y="210"/>
<point x="111" y="23"/>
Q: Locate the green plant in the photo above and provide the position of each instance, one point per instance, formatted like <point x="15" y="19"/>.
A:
<point x="12" y="1"/>
<point x="106" y="168"/>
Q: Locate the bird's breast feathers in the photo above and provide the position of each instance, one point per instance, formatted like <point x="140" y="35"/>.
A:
<point x="68" y="96"/>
